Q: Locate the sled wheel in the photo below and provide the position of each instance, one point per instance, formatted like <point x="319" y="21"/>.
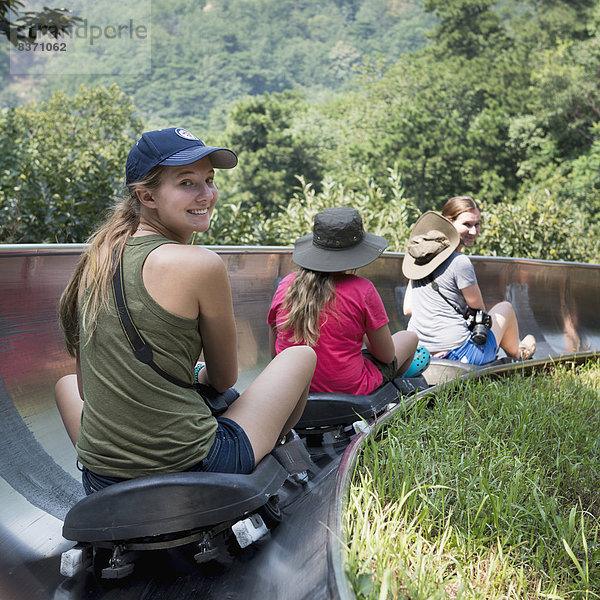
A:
<point x="271" y="512"/>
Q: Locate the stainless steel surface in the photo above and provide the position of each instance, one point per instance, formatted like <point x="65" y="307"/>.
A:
<point x="557" y="302"/>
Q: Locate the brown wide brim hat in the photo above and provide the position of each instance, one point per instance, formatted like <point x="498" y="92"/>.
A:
<point x="432" y="241"/>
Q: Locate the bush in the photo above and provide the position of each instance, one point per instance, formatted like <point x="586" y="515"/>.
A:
<point x="540" y="227"/>
<point x="387" y="213"/>
<point x="62" y="162"/>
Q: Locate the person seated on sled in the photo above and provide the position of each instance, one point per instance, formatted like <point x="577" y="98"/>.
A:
<point x="443" y="298"/>
<point x="325" y="305"/>
<point x="134" y="422"/>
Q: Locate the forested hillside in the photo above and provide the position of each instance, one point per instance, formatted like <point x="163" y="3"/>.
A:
<point x="207" y="55"/>
<point x="390" y="106"/>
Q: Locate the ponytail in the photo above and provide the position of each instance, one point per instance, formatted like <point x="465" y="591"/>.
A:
<point x="88" y="290"/>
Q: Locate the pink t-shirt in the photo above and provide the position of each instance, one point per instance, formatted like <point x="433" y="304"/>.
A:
<point x="341" y="366"/>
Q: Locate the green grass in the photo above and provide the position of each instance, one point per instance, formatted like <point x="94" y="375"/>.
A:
<point x="493" y="492"/>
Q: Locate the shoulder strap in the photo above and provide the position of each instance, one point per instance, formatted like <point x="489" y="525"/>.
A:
<point x="436" y="287"/>
<point x="217" y="403"/>
<point x="141" y="349"/>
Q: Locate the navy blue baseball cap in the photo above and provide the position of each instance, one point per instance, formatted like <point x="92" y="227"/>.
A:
<point x="175" y="147"/>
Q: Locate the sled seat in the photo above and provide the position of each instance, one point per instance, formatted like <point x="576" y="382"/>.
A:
<point x="169" y="503"/>
<point x="330" y="410"/>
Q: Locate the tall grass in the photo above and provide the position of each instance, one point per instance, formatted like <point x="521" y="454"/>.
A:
<point x="493" y="492"/>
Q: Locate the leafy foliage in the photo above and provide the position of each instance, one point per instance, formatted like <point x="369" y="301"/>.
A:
<point x="20" y="25"/>
<point x="539" y="227"/>
<point x="502" y="104"/>
<point x="233" y="224"/>
<point x="390" y="216"/>
<point x="467" y="28"/>
<point x="270" y="153"/>
<point x="207" y="55"/>
<point x="62" y="163"/>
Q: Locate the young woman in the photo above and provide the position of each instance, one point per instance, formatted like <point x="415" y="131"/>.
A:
<point x="326" y="306"/>
<point x="126" y="420"/>
<point x="442" y="284"/>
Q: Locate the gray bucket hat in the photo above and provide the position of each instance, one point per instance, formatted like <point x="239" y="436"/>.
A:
<point x="432" y="240"/>
<point x="338" y="242"/>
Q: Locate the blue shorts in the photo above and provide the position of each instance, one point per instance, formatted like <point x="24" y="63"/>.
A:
<point x="231" y="452"/>
<point x="473" y="354"/>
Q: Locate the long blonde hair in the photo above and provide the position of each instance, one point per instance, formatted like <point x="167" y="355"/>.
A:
<point x="88" y="290"/>
<point x="308" y="295"/>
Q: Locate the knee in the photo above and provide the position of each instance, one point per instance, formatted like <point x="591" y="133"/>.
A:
<point x="59" y="387"/>
<point x="412" y="338"/>
<point x="406" y="340"/>
<point x="504" y="308"/>
<point x="300" y="355"/>
<point x="63" y="387"/>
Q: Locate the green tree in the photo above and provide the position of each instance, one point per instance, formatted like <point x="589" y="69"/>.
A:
<point x="62" y="163"/>
<point x="206" y="56"/>
<point x="548" y="22"/>
<point x="386" y="212"/>
<point x="271" y="154"/>
<point x="567" y="109"/>
<point x="415" y="114"/>
<point x="541" y="226"/>
<point x="467" y="28"/>
<point x="19" y="25"/>
<point x="443" y="114"/>
<point x="578" y="181"/>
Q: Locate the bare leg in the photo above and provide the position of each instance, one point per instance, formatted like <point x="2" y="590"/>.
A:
<point x="405" y="345"/>
<point x="275" y="400"/>
<point x="70" y="404"/>
<point x="505" y="328"/>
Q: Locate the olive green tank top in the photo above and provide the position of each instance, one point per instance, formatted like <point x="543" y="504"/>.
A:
<point x="134" y="422"/>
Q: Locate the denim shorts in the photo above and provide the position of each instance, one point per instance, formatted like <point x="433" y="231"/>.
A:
<point x="231" y="452"/>
<point x="473" y="354"/>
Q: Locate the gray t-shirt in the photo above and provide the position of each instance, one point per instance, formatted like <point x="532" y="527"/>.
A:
<point x="437" y="324"/>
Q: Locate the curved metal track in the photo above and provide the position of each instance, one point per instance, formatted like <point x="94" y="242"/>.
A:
<point x="39" y="482"/>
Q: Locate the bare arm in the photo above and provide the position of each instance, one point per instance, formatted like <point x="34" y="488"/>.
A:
<point x="473" y="297"/>
<point x="407" y="304"/>
<point x="380" y="344"/>
<point x="217" y="326"/>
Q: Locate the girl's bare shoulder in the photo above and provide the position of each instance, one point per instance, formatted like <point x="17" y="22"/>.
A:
<point x="181" y="256"/>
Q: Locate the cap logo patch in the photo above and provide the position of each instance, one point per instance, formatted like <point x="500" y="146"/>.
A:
<point x="185" y="134"/>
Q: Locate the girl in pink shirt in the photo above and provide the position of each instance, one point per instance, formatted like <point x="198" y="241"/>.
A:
<point x="325" y="306"/>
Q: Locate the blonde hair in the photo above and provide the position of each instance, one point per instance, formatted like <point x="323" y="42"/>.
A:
<point x="458" y="205"/>
<point x="309" y="294"/>
<point x="88" y="290"/>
